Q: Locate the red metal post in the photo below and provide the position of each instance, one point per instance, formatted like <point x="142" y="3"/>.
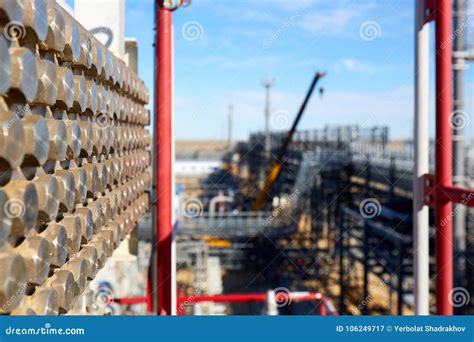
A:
<point x="443" y="163"/>
<point x="131" y="300"/>
<point x="163" y="158"/>
<point x="322" y="307"/>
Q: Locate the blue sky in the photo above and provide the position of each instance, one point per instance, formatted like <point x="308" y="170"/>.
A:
<point x="224" y="48"/>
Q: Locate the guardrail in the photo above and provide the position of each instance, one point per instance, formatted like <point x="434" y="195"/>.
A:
<point x="234" y="224"/>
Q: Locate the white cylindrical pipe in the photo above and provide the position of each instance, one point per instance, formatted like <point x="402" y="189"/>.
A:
<point x="271" y="305"/>
<point x="421" y="156"/>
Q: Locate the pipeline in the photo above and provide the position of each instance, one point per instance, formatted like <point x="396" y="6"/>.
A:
<point x="322" y="304"/>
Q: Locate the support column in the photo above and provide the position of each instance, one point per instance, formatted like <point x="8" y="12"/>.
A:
<point x="421" y="157"/>
<point x="163" y="158"/>
<point x="443" y="157"/>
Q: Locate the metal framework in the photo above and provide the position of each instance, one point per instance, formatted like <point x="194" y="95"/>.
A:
<point x="435" y="190"/>
<point x="368" y="167"/>
<point x="439" y="192"/>
<point x="380" y="250"/>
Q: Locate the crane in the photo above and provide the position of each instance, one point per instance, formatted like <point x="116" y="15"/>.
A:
<point x="275" y="167"/>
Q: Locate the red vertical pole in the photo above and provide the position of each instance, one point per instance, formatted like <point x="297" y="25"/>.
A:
<point x="443" y="158"/>
<point x="322" y="307"/>
<point x="163" y="139"/>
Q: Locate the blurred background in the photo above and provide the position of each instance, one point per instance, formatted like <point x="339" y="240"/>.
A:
<point x="294" y="157"/>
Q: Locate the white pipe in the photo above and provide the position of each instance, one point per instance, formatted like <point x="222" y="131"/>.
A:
<point x="271" y="307"/>
<point x="421" y="147"/>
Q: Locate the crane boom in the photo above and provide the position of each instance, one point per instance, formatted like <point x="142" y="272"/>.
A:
<point x="276" y="165"/>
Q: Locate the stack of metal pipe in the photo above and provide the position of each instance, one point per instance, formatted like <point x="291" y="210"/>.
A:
<point x="74" y="158"/>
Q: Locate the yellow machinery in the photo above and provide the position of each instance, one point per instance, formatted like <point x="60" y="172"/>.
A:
<point x="276" y="165"/>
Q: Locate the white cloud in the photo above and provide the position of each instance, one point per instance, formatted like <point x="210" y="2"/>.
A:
<point x="392" y="107"/>
<point x="354" y="65"/>
<point x="247" y="13"/>
<point x="243" y="8"/>
<point x="294" y="5"/>
<point x="234" y="63"/>
<point x="334" y="20"/>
